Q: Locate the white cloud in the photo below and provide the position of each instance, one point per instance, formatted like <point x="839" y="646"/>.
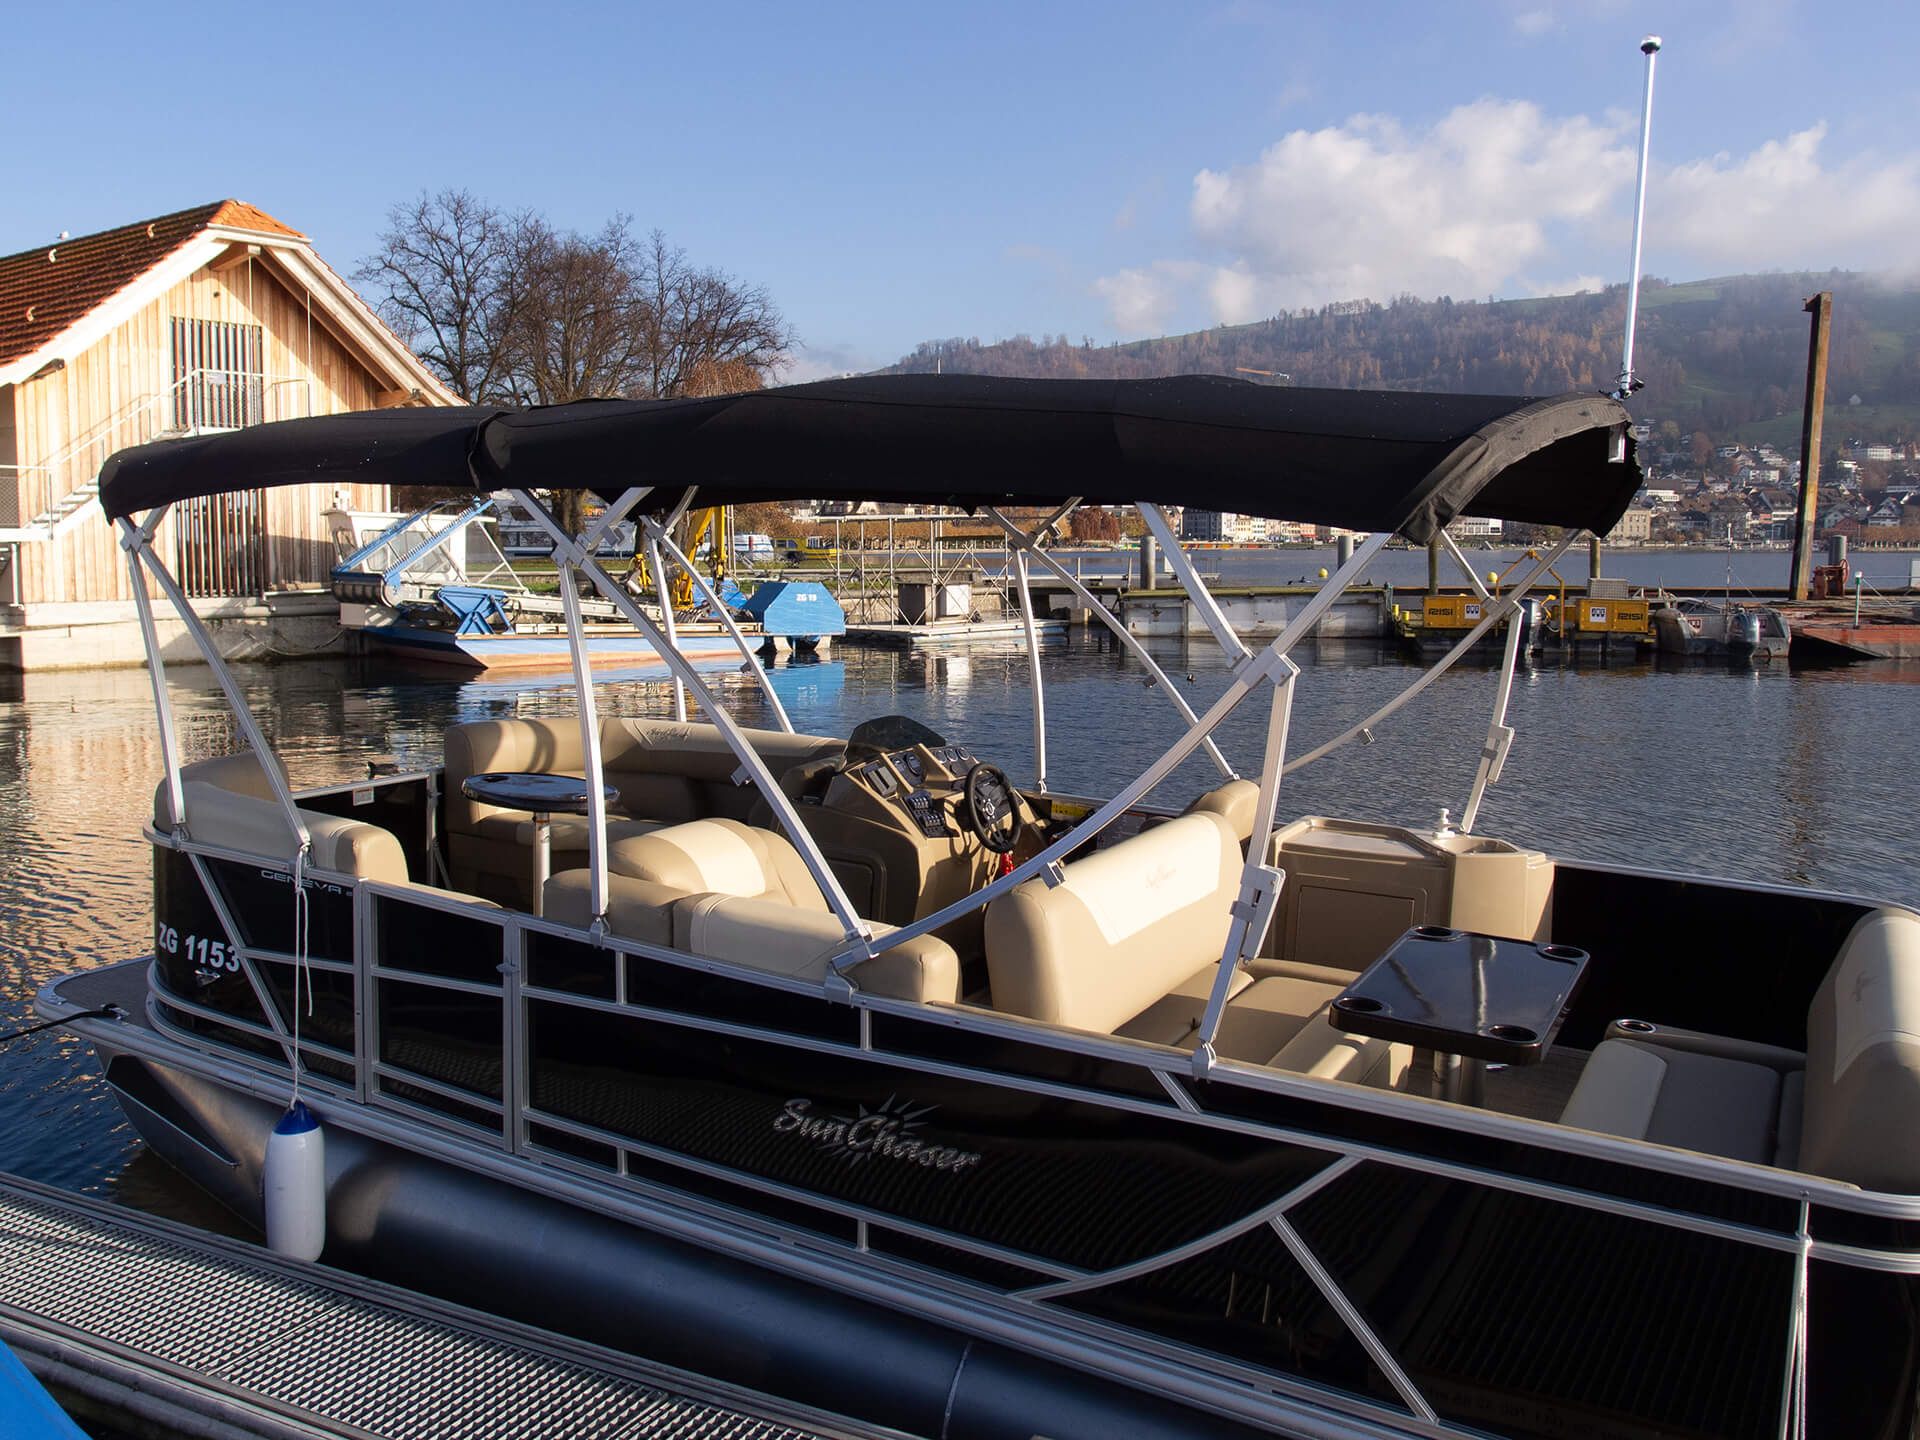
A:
<point x="825" y="361"/>
<point x="1233" y="293"/>
<point x="1533" y="23"/>
<point x="1493" y="197"/>
<point x="1781" y="207"/>
<point x="1142" y="301"/>
<point x="1371" y="208"/>
<point x="1575" y="285"/>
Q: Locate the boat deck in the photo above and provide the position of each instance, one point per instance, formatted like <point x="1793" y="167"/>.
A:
<point x="140" y="1322"/>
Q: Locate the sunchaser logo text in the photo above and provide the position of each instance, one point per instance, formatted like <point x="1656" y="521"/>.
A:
<point x="885" y="1134"/>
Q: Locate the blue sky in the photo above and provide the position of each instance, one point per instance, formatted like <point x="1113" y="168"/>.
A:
<point x="896" y="173"/>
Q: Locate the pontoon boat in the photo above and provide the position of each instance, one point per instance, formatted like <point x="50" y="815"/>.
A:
<point x="845" y="1067"/>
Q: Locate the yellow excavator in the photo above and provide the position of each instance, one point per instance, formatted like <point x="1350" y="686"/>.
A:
<point x="713" y="526"/>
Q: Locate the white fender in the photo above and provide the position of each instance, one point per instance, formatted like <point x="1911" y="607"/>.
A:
<point x="294" y="1185"/>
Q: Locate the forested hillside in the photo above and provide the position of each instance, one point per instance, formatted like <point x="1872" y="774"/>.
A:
<point x="1726" y="356"/>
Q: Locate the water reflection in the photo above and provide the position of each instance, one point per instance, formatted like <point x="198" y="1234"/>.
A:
<point x="1767" y="773"/>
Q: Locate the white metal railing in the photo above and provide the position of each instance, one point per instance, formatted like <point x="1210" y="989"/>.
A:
<point x="55" y="491"/>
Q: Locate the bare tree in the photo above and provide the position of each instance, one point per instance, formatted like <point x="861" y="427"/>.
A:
<point x="704" y="318"/>
<point x="446" y="271"/>
<point x="510" y="311"/>
<point x="578" y="329"/>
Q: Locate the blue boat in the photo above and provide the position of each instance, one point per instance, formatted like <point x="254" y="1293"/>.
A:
<point x="27" y="1412"/>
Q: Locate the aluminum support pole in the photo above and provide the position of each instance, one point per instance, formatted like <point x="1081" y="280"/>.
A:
<point x="1500" y="607"/>
<point x="658" y="533"/>
<point x="666" y="620"/>
<point x="614" y="514"/>
<point x="590" y="752"/>
<point x="1259" y="882"/>
<point x="1033" y="670"/>
<point x="231" y="689"/>
<point x="568" y="550"/>
<point x="157" y="673"/>
<point x="1466" y="568"/>
<point x="1126" y="637"/>
<point x="1197" y="593"/>
<point x="1493" y="755"/>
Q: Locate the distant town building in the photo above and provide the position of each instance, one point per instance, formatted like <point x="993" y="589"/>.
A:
<point x="1474" y="527"/>
<point x="1635" y="526"/>
<point x="1201" y="524"/>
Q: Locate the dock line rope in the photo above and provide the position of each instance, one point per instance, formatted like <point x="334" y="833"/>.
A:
<point x="105" y="1012"/>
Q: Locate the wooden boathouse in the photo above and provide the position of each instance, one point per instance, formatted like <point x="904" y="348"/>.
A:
<point x="209" y="319"/>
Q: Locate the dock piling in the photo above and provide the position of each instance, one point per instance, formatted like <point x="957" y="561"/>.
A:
<point x="1821" y="308"/>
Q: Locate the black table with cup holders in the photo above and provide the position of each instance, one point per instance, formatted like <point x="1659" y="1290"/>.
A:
<point x="1470" y="1000"/>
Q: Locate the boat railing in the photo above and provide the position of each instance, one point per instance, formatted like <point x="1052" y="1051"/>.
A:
<point x="1269" y="668"/>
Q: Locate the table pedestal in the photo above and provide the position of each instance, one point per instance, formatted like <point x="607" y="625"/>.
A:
<point x="542" y="860"/>
<point x="542" y="797"/>
<point x="1459" y="1078"/>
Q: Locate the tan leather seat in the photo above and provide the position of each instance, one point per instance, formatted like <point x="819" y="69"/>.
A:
<point x="719" y="856"/>
<point x="760" y="934"/>
<point x="1319" y="1050"/>
<point x="1125" y="928"/>
<point x="1235" y="802"/>
<point x="230" y="802"/>
<point x="1835" y="1111"/>
<point x="664" y="771"/>
<point x="1129" y="945"/>
<point x="1174" y="1018"/>
<point x="800" y="944"/>
<point x="636" y="909"/>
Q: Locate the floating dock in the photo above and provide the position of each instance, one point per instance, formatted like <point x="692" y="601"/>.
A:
<point x="152" y="1328"/>
<point x="951" y="632"/>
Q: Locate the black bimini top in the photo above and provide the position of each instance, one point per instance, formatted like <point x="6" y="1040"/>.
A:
<point x="1366" y="460"/>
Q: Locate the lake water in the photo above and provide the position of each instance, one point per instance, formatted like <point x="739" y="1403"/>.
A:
<point x="1797" y="777"/>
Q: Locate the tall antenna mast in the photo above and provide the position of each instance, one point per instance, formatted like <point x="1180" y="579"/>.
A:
<point x="1649" y="47"/>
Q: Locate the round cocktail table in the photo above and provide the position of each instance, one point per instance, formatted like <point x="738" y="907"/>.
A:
<point x="541" y="796"/>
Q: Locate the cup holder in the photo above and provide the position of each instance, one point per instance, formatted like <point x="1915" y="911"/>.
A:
<point x="1361" y="1004"/>
<point x="1434" y="932"/>
<point x="1636" y="1027"/>
<point x="1518" y="1034"/>
<point x="1562" y="952"/>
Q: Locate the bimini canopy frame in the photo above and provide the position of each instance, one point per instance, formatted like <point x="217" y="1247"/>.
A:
<point x="1402" y="462"/>
<point x="1383" y="463"/>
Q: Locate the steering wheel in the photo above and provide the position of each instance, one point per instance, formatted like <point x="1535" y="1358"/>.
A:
<point x="991" y="809"/>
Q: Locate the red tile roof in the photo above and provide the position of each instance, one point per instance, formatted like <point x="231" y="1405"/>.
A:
<point x="45" y="290"/>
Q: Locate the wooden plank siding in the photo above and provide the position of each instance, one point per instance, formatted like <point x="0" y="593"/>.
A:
<point x="117" y="390"/>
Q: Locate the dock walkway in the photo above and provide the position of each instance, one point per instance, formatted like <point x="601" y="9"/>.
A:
<point x="156" y="1328"/>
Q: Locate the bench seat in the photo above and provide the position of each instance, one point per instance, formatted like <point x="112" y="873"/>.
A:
<point x="1129" y="945"/>
<point x="664" y="771"/>
<point x="1844" y="1110"/>
<point x="1715" y="1103"/>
